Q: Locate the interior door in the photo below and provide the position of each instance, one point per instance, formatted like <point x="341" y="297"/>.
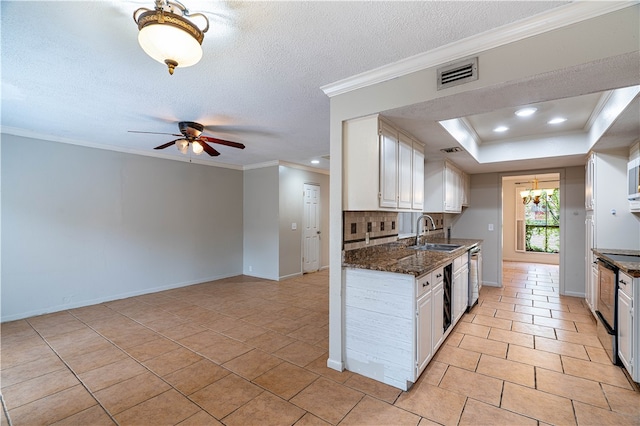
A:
<point x="311" y="229"/>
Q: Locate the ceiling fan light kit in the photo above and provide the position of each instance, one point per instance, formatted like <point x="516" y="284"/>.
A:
<point x="191" y="134"/>
<point x="169" y="37"/>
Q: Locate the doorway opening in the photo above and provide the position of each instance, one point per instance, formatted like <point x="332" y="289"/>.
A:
<point x="531" y="218"/>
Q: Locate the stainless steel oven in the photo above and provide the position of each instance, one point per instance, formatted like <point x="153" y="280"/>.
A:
<point x="607" y="308"/>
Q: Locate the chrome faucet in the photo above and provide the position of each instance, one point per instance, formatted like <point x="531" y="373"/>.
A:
<point x="418" y="226"/>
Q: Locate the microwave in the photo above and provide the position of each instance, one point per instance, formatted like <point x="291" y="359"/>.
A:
<point x="633" y="180"/>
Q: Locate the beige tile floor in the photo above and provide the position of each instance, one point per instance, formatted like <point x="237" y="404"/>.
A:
<point x="245" y="351"/>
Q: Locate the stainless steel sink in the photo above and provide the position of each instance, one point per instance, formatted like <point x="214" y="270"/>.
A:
<point x="447" y="248"/>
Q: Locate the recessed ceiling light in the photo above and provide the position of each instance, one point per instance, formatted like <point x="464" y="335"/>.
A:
<point x="501" y="129"/>
<point x="315" y="161"/>
<point x="526" y="112"/>
<point x="557" y="120"/>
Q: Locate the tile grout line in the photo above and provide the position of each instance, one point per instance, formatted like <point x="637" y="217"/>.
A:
<point x="72" y="372"/>
<point x="139" y="363"/>
<point x="198" y="353"/>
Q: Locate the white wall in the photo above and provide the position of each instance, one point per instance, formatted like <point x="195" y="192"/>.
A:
<point x="260" y="233"/>
<point x="82" y="225"/>
<point x="617" y="230"/>
<point x="572" y="227"/>
<point x="292" y="182"/>
<point x="483" y="210"/>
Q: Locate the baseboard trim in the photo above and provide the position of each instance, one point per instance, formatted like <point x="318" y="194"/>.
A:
<point x="335" y="365"/>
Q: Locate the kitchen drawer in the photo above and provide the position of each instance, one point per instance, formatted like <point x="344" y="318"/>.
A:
<point x="423" y="284"/>
<point x="437" y="276"/>
<point x="625" y="284"/>
<point x="460" y="261"/>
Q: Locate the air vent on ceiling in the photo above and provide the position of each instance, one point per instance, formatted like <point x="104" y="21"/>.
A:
<point x="458" y="73"/>
<point x="452" y="149"/>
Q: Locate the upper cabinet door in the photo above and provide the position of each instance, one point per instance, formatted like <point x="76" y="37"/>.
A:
<point x="388" y="168"/>
<point x="378" y="170"/>
<point x="589" y="192"/>
<point x="405" y="172"/>
<point x="418" y="177"/>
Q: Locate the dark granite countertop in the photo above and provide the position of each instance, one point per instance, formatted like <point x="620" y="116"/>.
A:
<point x="398" y="257"/>
<point x="630" y="267"/>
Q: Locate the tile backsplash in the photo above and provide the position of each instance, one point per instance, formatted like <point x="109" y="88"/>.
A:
<point x="381" y="227"/>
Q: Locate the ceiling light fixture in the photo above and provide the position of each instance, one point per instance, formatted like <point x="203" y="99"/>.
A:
<point x="183" y="146"/>
<point x="168" y="36"/>
<point x="557" y="120"/>
<point x="501" y="129"/>
<point x="534" y="194"/>
<point x="526" y="112"/>
<point x="315" y="161"/>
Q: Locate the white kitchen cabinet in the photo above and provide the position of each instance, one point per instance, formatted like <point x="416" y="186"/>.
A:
<point x="591" y="268"/>
<point x="629" y="324"/>
<point x="588" y="183"/>
<point x="609" y="224"/>
<point x="418" y="177"/>
<point x="424" y="332"/>
<point x="393" y="324"/>
<point x="460" y="287"/>
<point x="405" y="172"/>
<point x="625" y="330"/>
<point x="443" y="187"/>
<point x="438" y="308"/>
<point x="380" y="168"/>
<point x="466" y="188"/>
<point x="388" y="167"/>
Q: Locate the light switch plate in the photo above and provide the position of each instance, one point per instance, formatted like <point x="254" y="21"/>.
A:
<point x="294" y="226"/>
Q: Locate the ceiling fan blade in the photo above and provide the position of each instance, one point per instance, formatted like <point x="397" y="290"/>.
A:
<point x="163" y="146"/>
<point x="153" y="133"/>
<point x="222" y="142"/>
<point x="212" y="152"/>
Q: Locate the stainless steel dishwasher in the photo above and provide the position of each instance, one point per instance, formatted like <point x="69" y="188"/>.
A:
<point x="475" y="275"/>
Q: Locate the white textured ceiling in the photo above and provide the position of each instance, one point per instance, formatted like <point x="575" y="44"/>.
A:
<point x="74" y="72"/>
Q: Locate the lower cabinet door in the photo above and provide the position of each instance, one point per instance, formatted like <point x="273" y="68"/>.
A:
<point x="424" y="344"/>
<point x="625" y="324"/>
<point x="437" y="324"/>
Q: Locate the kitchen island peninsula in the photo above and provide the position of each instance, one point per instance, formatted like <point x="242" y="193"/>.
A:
<point x="401" y="301"/>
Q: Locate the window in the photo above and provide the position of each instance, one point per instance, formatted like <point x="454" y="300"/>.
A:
<point x="542" y="224"/>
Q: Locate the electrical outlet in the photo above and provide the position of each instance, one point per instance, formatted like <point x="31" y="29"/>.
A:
<point x="250" y="268"/>
<point x="491" y="227"/>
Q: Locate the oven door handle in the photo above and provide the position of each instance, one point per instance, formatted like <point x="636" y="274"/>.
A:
<point x="605" y="324"/>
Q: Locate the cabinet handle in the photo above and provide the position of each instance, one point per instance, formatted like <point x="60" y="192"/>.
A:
<point x="623" y="282"/>
<point x="438" y="276"/>
<point x="425" y="284"/>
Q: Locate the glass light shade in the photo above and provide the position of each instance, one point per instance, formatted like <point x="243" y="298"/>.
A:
<point x="524" y="194"/>
<point x="182" y="145"/>
<point x="197" y="148"/>
<point x="536" y="192"/>
<point x="166" y="42"/>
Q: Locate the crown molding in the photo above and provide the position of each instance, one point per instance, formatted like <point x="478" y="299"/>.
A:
<point x="261" y="165"/>
<point x="303" y="167"/>
<point x="553" y="19"/>
<point x="4" y="130"/>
